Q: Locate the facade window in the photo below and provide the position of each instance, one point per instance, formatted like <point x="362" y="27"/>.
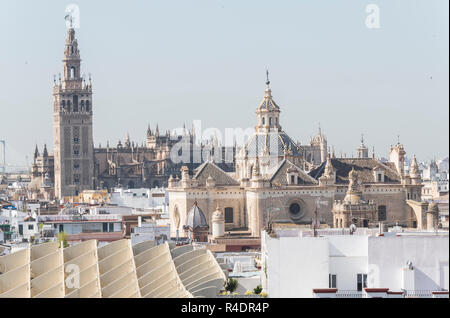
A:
<point x="75" y="103"/>
<point x="332" y="281"/>
<point x="87" y="105"/>
<point x="379" y="177"/>
<point x="294" y="208"/>
<point x="72" y="72"/>
<point x="105" y="227"/>
<point x="76" y="178"/>
<point x="228" y="215"/>
<point x="270" y="121"/>
<point x="82" y="106"/>
<point x="30" y="226"/>
<point x="76" y="152"/>
<point x="264" y="120"/>
<point x="292" y="179"/>
<point x="68" y="106"/>
<point x="361" y="281"/>
<point x="111" y="227"/>
<point x="76" y="165"/>
<point x="76" y="140"/>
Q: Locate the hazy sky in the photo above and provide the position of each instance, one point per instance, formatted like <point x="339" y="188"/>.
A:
<point x="170" y="62"/>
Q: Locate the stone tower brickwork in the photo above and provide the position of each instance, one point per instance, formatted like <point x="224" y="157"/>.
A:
<point x="72" y="126"/>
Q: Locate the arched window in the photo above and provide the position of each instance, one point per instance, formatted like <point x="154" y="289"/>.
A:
<point x="63" y="106"/>
<point x="72" y="72"/>
<point x="87" y="106"/>
<point x="68" y="106"/>
<point x="82" y="106"/>
<point x="270" y="121"/>
<point x="264" y="120"/>
<point x="228" y="215"/>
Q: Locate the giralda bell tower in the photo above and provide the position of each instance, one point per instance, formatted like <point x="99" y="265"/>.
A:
<point x="72" y="125"/>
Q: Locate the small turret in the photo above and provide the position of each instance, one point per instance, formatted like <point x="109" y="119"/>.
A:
<point x="362" y="151"/>
<point x="218" y="223"/>
<point x="414" y="172"/>
<point x="36" y="153"/>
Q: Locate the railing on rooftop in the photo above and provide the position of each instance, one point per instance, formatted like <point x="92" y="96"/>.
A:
<point x="349" y="294"/>
<point x="418" y="294"/>
<point x="335" y="232"/>
<point x="78" y="218"/>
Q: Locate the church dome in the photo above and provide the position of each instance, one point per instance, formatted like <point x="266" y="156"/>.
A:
<point x="196" y="218"/>
<point x="278" y="143"/>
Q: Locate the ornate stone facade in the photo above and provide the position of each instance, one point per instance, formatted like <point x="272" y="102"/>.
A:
<point x="275" y="182"/>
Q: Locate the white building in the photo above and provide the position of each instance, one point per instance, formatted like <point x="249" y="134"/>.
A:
<point x="151" y="230"/>
<point x="77" y="224"/>
<point x="27" y="229"/>
<point x="140" y="198"/>
<point x="294" y="265"/>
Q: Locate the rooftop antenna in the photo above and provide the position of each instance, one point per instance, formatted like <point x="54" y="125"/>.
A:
<point x="398" y="139"/>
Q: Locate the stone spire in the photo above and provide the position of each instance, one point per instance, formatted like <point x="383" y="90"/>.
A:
<point x="362" y="151"/>
<point x="127" y="141"/>
<point x="414" y="172"/>
<point x="354" y="194"/>
<point x="36" y="153"/>
<point x="255" y="171"/>
<point x="329" y="170"/>
<point x="329" y="174"/>
<point x="45" y="152"/>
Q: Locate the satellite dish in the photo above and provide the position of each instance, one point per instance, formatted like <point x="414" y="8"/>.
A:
<point x="352" y="229"/>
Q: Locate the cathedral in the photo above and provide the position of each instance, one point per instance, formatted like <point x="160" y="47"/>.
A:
<point x="271" y="178"/>
<point x="278" y="180"/>
<point x="76" y="164"/>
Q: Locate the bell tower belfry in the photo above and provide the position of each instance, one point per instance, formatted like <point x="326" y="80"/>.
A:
<point x="72" y="125"/>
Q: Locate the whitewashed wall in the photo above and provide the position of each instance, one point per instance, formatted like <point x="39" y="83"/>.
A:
<point x="429" y="256"/>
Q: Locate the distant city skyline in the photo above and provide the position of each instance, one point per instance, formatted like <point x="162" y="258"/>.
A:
<point x="170" y="63"/>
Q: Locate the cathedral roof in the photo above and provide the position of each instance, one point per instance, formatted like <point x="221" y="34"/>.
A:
<point x="210" y="169"/>
<point x="279" y="176"/>
<point x="277" y="142"/>
<point x="363" y="166"/>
